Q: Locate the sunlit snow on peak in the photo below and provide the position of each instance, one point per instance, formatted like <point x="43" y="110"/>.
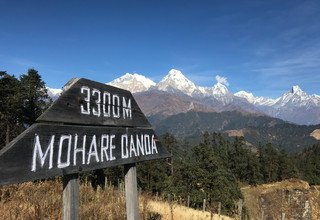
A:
<point x="133" y="82"/>
<point x="175" y="80"/>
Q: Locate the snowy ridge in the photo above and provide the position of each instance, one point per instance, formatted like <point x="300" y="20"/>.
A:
<point x="297" y="96"/>
<point x="256" y="100"/>
<point x="133" y="82"/>
<point x="54" y="93"/>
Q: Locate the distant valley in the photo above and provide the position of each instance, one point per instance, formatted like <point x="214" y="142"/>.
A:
<point x="257" y="130"/>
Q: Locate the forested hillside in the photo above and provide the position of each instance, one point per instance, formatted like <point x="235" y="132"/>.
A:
<point x="215" y="167"/>
<point x="256" y="129"/>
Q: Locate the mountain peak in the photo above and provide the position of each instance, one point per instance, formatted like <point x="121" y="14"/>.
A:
<point x="296" y="90"/>
<point x="246" y="95"/>
<point x="133" y="82"/>
<point x="219" y="89"/>
<point x="175" y="80"/>
<point x="175" y="74"/>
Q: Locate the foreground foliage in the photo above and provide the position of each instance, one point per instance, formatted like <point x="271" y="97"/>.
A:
<point x="22" y="101"/>
<point x="43" y="200"/>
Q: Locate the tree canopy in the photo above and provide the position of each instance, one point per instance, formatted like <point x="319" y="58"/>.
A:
<point x="22" y="100"/>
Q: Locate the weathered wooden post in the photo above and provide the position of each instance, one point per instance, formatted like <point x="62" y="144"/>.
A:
<point x="219" y="210"/>
<point x="71" y="197"/>
<point x="188" y="201"/>
<point x="204" y="205"/>
<point x="240" y="208"/>
<point x="90" y="126"/>
<point x="132" y="203"/>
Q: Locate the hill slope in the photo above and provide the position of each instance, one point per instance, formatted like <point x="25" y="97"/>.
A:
<point x="295" y="198"/>
<point x="256" y="129"/>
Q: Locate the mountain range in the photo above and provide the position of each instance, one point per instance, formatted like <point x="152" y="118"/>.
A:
<point x="175" y="93"/>
<point x="178" y="106"/>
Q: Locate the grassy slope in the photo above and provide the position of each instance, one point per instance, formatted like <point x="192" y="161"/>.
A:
<point x="292" y="197"/>
<point x="43" y="200"/>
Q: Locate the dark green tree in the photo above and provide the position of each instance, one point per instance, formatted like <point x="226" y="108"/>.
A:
<point x="287" y="166"/>
<point x="269" y="161"/>
<point x="243" y="163"/>
<point x="153" y="176"/>
<point x="10" y="107"/>
<point x="203" y="175"/>
<point x="34" y="95"/>
<point x="309" y="164"/>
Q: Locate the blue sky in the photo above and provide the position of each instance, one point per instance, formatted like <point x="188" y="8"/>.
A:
<point x="263" y="47"/>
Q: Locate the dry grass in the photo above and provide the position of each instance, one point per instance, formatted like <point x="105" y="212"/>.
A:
<point x="43" y="200"/>
<point x="173" y="211"/>
<point x="31" y="201"/>
<point x="288" y="197"/>
<point x="316" y="134"/>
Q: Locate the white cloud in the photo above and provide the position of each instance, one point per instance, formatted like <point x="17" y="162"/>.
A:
<point x="223" y="80"/>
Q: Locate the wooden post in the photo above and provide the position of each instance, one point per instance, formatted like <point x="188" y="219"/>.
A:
<point x="105" y="182"/>
<point x="283" y="216"/>
<point x="132" y="203"/>
<point x="204" y="205"/>
<point x="219" y="210"/>
<point x="240" y="209"/>
<point x="188" y="201"/>
<point x="70" y="197"/>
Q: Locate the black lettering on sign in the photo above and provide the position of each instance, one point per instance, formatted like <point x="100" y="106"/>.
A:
<point x="48" y="150"/>
<point x="91" y="103"/>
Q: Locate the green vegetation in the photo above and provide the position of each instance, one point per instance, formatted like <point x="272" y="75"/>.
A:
<point x="214" y="169"/>
<point x="22" y="101"/>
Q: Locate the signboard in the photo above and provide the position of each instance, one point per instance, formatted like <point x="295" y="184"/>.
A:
<point x="90" y="103"/>
<point x="90" y="126"/>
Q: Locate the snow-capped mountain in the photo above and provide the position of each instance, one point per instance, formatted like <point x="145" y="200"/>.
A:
<point x="297" y="97"/>
<point x="294" y="106"/>
<point x="221" y="93"/>
<point x="175" y="81"/>
<point x="54" y="93"/>
<point x="133" y="82"/>
<point x="219" y="90"/>
<point x="256" y="100"/>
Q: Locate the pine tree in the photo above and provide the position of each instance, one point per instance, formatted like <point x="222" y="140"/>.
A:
<point x="269" y="161"/>
<point x="287" y="167"/>
<point x="10" y="106"/>
<point x="35" y="97"/>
